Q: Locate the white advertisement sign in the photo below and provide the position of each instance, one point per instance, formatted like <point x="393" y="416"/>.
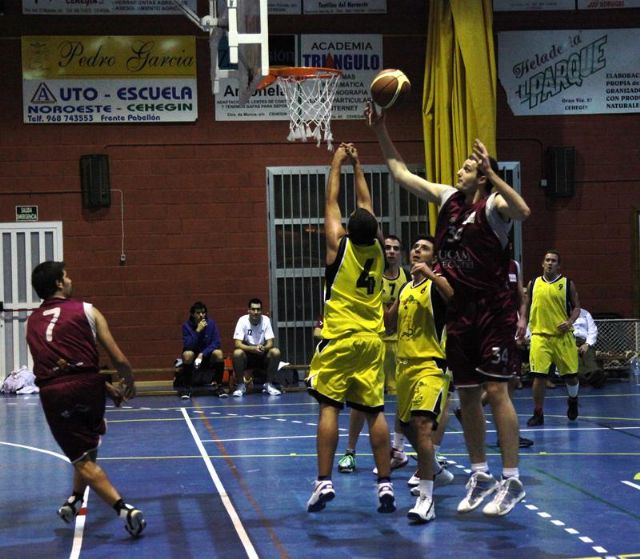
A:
<point x="532" y="5"/>
<point x="109" y="101"/>
<point x="94" y="7"/>
<point x="345" y="6"/>
<point x="280" y="7"/>
<point x="570" y="71"/>
<point x="109" y="79"/>
<point x="607" y="4"/>
<point x="359" y="57"/>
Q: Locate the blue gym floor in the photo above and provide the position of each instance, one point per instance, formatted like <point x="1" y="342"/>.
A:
<point x="230" y="479"/>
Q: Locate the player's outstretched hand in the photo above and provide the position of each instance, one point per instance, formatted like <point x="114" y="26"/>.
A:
<point x="341" y="154"/>
<point x="372" y="116"/>
<point x="351" y="150"/>
<point x="481" y="155"/>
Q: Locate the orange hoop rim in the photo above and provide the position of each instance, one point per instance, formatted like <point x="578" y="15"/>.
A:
<point x="297" y="73"/>
<point x="304" y="72"/>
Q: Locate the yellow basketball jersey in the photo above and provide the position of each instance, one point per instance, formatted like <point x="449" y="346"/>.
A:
<point x="550" y="305"/>
<point x="353" y="291"/>
<point x="421" y="320"/>
<point x="390" y="290"/>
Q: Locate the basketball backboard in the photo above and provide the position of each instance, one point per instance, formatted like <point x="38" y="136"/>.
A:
<point x="238" y="41"/>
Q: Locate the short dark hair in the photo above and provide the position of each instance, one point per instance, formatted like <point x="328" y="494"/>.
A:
<point x="45" y="276"/>
<point x="254" y="301"/>
<point x="393" y="238"/>
<point x="553" y="251"/>
<point x="424" y="237"/>
<point x="198" y="306"/>
<point x="362" y="227"/>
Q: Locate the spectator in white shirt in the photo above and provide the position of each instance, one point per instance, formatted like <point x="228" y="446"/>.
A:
<point x="586" y="333"/>
<point x="254" y="348"/>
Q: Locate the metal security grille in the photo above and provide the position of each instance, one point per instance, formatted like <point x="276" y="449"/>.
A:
<point x="23" y="247"/>
<point x="618" y="342"/>
<point x="297" y="247"/>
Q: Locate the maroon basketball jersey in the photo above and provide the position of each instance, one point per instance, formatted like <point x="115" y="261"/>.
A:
<point x="514" y="273"/>
<point x="61" y="340"/>
<point x="472" y="246"/>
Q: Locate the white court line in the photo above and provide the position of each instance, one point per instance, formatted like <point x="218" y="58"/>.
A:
<point x="226" y="501"/>
<point x="631" y="485"/>
<point x="79" y="529"/>
<point x="51" y="453"/>
<point x="80" y="519"/>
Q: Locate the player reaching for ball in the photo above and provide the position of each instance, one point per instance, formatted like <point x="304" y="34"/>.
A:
<point x="472" y="240"/>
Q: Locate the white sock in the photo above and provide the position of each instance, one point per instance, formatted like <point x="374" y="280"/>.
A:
<point x="480" y="467"/>
<point x="398" y="441"/>
<point x="573" y="389"/>
<point x="510" y="472"/>
<point x="426" y="488"/>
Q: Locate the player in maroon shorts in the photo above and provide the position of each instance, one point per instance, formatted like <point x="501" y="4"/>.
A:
<point x="472" y="238"/>
<point x="62" y="335"/>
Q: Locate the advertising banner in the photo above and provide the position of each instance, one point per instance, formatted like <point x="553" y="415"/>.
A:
<point x="564" y="72"/>
<point x="279" y="7"/>
<point x="345" y="6"/>
<point x="112" y="7"/>
<point x="532" y="5"/>
<point x="97" y="79"/>
<point x="358" y="56"/>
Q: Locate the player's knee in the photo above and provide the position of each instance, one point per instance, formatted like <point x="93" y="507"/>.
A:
<point x="274" y="353"/>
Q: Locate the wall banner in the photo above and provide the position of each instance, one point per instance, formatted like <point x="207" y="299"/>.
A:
<point x="565" y="72"/>
<point x="281" y="7"/>
<point x="607" y="4"/>
<point x="358" y="56"/>
<point x="97" y="7"/>
<point x="345" y="7"/>
<point x="96" y="79"/>
<point x="532" y="5"/>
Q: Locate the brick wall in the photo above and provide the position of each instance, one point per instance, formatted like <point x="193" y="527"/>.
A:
<point x="194" y="193"/>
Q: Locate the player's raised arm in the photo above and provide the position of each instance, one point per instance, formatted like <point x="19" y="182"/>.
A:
<point x="422" y="188"/>
<point x="363" y="196"/>
<point x="509" y="203"/>
<point x="333" y="228"/>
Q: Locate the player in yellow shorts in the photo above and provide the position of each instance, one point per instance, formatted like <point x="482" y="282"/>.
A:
<point x="393" y="278"/>
<point x="347" y="364"/>
<point x="553" y="308"/>
<point x="418" y="315"/>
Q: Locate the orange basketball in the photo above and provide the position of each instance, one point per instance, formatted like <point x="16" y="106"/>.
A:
<point x="389" y="88"/>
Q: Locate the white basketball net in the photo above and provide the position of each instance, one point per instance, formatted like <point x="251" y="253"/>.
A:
<point x="309" y="100"/>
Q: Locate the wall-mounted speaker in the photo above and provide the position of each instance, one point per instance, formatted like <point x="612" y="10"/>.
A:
<point x="95" y="181"/>
<point x="561" y="171"/>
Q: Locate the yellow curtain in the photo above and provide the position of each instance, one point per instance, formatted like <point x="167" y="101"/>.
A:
<point x="459" y="97"/>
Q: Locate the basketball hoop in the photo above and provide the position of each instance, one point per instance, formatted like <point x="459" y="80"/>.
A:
<point x="309" y="93"/>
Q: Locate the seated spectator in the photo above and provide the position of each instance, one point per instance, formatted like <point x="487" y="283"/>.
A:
<point x="254" y="349"/>
<point x="586" y="334"/>
<point x="202" y="358"/>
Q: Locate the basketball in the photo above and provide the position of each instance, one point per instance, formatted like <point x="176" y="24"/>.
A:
<point x="389" y="88"/>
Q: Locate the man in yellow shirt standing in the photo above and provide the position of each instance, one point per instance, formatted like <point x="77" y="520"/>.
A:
<point x="553" y="308"/>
